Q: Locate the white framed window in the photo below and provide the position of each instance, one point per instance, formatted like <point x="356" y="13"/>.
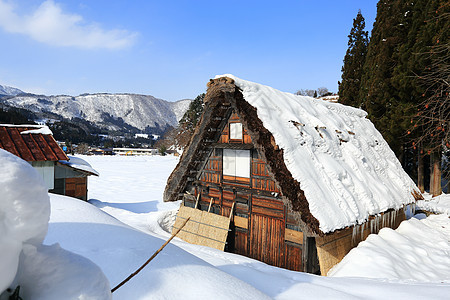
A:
<point x="236" y="163"/>
<point x="235" y="131"/>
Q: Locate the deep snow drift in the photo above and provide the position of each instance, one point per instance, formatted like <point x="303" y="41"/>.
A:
<point x="24" y="213"/>
<point x="42" y="272"/>
<point x="417" y="249"/>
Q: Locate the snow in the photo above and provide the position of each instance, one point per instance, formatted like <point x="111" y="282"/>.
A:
<point x="439" y="204"/>
<point x="133" y="222"/>
<point x="419" y="248"/>
<point x="8" y="90"/>
<point x="130" y="191"/>
<point x="50" y="272"/>
<point x="24" y="212"/>
<point x="139" y="111"/>
<point x="347" y="170"/>
<point x="119" y="250"/>
<point x="42" y="130"/>
<point x="79" y="164"/>
<point x="42" y="272"/>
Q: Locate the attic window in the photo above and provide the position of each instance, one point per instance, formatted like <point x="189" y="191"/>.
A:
<point x="236" y="165"/>
<point x="235" y="131"/>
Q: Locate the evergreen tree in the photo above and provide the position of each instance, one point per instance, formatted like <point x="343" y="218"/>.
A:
<point x="179" y="137"/>
<point x="383" y="95"/>
<point x="192" y="115"/>
<point x="353" y="63"/>
<point x="401" y="52"/>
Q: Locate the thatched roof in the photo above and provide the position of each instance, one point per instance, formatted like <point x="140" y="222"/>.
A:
<point x="332" y="166"/>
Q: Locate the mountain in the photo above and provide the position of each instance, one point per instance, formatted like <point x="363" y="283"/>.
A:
<point x="9" y="91"/>
<point x="109" y="111"/>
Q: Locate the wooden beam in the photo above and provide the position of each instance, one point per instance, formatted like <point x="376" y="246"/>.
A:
<point x="293" y="236"/>
<point x="241" y="222"/>
<point x="210" y="203"/>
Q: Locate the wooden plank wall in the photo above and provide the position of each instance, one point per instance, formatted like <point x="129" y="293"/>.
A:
<point x="267" y="240"/>
<point x="77" y="187"/>
<point x="225" y="136"/>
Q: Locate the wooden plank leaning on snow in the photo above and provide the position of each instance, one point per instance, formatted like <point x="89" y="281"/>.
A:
<point x="205" y="229"/>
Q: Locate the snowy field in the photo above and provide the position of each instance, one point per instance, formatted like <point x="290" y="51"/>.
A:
<point x="130" y="189"/>
<point x="128" y="221"/>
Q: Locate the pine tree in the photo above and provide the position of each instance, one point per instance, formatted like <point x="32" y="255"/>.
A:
<point x="354" y="60"/>
<point x="387" y="106"/>
<point x="398" y="58"/>
<point x="179" y="137"/>
<point x="192" y="115"/>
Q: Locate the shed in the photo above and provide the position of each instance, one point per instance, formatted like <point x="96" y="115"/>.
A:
<point x="309" y="178"/>
<point x="36" y="145"/>
<point x="71" y="177"/>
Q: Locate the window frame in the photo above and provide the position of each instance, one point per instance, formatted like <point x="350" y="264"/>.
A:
<point x="238" y="172"/>
<point x="236" y="137"/>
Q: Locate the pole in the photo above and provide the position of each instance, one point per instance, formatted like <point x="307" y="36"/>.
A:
<point x="150" y="259"/>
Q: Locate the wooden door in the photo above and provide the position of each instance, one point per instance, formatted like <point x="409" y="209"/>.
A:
<point x="77" y="187"/>
<point x="267" y="240"/>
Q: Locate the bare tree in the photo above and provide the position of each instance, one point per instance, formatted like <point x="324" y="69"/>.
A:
<point x="322" y="91"/>
<point x="306" y="92"/>
<point x="433" y="117"/>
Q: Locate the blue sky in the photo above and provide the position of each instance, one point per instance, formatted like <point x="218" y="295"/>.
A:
<point x="170" y="49"/>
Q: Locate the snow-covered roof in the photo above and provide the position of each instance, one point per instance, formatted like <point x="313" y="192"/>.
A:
<point x="30" y="142"/>
<point x="344" y="166"/>
<point x="79" y="164"/>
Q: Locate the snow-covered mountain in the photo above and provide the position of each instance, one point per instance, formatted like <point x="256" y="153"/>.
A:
<point x="9" y="91"/>
<point x="107" y="110"/>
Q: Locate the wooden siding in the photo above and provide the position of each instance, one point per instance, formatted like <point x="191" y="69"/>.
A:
<point x="259" y="216"/>
<point x="240" y="243"/>
<point x="267" y="240"/>
<point x="261" y="177"/>
<point x="293" y="257"/>
<point x="225" y="136"/>
<point x="77" y="187"/>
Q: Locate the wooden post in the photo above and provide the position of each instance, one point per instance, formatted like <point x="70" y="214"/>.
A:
<point x="420" y="170"/>
<point x="150" y="259"/>
<point x="196" y="202"/>
<point x="231" y="211"/>
<point x="210" y="203"/>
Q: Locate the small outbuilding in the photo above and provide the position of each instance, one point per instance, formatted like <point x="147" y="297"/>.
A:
<point x="303" y="180"/>
<point x="71" y="177"/>
<point x="36" y="145"/>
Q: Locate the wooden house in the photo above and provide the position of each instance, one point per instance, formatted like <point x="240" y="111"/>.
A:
<point x="308" y="179"/>
<point x="36" y="145"/>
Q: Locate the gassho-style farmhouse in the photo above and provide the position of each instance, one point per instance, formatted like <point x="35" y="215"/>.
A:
<point x="302" y="181"/>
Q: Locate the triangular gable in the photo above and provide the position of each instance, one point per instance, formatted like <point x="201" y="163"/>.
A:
<point x="222" y="100"/>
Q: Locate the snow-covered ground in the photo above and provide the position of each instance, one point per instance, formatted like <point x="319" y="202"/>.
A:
<point x="129" y="227"/>
<point x="130" y="189"/>
<point x="439" y="204"/>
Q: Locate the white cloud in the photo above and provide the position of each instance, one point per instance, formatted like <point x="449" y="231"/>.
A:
<point x="50" y="25"/>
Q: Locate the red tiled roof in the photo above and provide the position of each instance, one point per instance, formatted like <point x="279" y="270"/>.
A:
<point x="30" y="146"/>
